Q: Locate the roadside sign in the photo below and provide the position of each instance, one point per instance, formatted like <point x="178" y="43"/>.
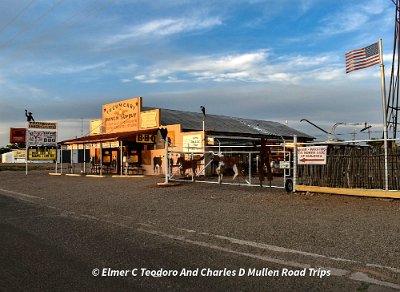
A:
<point x="42" y="125"/>
<point x="312" y="155"/>
<point x="44" y="138"/>
<point x="17" y="135"/>
<point x="42" y="153"/>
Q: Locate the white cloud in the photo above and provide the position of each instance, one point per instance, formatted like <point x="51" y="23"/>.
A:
<point x="73" y="69"/>
<point x="353" y="18"/>
<point x="164" y="27"/>
<point x="256" y="66"/>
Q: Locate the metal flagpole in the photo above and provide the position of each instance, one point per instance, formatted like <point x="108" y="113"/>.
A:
<point x="294" y="163"/>
<point x="385" y="131"/>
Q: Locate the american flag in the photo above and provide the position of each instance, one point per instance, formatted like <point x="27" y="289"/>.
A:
<point x="362" y="58"/>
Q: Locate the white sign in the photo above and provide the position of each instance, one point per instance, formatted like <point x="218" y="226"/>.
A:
<point x="312" y="155"/>
<point x="44" y="138"/>
<point x="192" y="143"/>
<point x="42" y="125"/>
<point x="284" y="164"/>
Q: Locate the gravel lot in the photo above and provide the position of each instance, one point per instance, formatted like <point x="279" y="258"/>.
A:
<point x="365" y="232"/>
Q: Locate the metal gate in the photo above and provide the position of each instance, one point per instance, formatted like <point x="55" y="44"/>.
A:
<point x="234" y="165"/>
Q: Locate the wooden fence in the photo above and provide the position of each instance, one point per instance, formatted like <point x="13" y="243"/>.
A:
<point x="353" y="167"/>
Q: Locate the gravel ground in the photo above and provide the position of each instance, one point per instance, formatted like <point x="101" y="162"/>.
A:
<point x="365" y="231"/>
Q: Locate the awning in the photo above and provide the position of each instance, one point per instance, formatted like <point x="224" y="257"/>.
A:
<point x="121" y="136"/>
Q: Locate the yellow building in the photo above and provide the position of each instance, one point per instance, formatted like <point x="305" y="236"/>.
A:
<point x="127" y="138"/>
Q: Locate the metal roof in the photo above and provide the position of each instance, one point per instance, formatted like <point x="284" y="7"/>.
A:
<point x="192" y="121"/>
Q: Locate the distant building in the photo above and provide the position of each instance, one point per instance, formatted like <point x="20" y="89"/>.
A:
<point x="14" y="156"/>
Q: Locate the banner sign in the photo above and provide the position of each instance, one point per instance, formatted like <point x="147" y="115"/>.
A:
<point x="17" y="135"/>
<point x="42" y="125"/>
<point x="312" y="155"/>
<point x="42" y="153"/>
<point x="44" y="138"/>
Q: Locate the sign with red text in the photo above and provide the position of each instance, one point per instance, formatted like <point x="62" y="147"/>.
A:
<point x="312" y="155"/>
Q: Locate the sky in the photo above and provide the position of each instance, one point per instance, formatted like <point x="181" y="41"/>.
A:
<point x="278" y="60"/>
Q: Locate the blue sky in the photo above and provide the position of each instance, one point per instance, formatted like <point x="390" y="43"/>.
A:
<point x="280" y="60"/>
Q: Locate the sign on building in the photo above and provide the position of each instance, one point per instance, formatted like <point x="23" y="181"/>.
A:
<point x="122" y="116"/>
<point x="96" y="127"/>
<point x="192" y="143"/>
<point x="150" y="119"/>
<point x="312" y="155"/>
<point x="146" y="138"/>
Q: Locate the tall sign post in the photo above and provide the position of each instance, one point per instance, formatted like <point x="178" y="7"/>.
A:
<point x="41" y="142"/>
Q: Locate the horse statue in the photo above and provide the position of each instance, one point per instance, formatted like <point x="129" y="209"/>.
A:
<point x="226" y="162"/>
<point x="188" y="164"/>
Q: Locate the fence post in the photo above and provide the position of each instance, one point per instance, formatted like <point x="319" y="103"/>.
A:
<point x="294" y="162"/>
<point x="249" y="168"/>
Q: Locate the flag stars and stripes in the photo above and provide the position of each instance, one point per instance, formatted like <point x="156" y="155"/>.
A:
<point x="362" y="58"/>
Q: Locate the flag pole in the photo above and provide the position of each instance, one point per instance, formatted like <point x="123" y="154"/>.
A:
<point x="385" y="131"/>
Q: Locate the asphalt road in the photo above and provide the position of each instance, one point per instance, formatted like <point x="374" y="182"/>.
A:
<point x="84" y="234"/>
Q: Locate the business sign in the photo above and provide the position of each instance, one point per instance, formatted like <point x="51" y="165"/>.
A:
<point x="96" y="127"/>
<point x="44" y="138"/>
<point x="122" y="116"/>
<point x="19" y="154"/>
<point x="42" y="153"/>
<point x="312" y="155"/>
<point x="192" y="143"/>
<point x="42" y="125"/>
<point x="17" y="135"/>
<point x="146" y="138"/>
<point x="149" y="119"/>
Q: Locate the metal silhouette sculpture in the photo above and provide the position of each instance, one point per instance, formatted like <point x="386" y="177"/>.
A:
<point x="226" y="162"/>
<point x="188" y="164"/>
<point x="29" y="117"/>
<point x="265" y="156"/>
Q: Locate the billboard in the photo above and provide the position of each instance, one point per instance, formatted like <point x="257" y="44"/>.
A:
<point x="44" y="138"/>
<point x="42" y="153"/>
<point x="17" y="135"/>
<point x="122" y="116"/>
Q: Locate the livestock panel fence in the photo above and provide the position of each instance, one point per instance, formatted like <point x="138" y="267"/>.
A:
<point x="237" y="165"/>
<point x="352" y="165"/>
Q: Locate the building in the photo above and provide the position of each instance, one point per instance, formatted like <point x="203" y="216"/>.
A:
<point x="14" y="156"/>
<point x="128" y="135"/>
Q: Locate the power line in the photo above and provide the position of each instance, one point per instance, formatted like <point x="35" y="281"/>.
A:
<point x="11" y="21"/>
<point x="30" y="26"/>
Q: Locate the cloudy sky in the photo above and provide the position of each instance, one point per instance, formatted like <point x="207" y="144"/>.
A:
<point x="280" y="60"/>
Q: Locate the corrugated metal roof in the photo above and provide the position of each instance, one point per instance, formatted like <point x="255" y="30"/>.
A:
<point x="192" y="121"/>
